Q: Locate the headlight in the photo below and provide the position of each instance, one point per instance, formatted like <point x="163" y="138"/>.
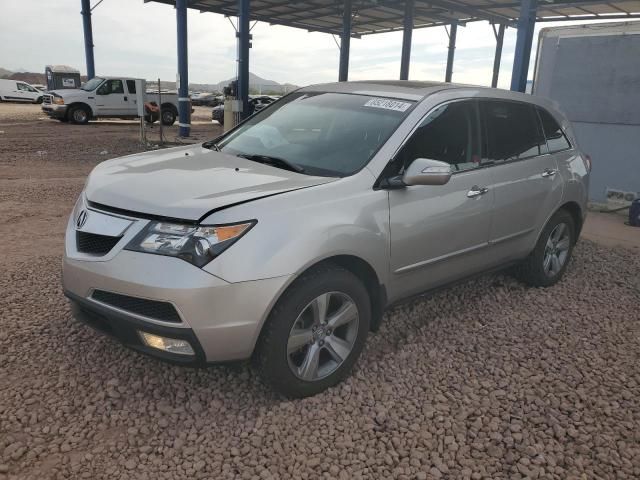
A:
<point x="58" y="100"/>
<point x="195" y="244"/>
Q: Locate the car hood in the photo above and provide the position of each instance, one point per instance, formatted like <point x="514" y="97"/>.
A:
<point x="188" y="182"/>
<point x="69" y="92"/>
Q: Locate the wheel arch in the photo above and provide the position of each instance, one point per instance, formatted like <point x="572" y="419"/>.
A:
<point x="358" y="267"/>
<point x="576" y="213"/>
<point x="170" y="106"/>
<point x="80" y="104"/>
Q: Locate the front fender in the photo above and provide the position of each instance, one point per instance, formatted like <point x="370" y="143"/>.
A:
<point x="299" y="229"/>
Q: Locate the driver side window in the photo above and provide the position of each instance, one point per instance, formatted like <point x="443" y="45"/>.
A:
<point x="449" y="133"/>
<point x="111" y="86"/>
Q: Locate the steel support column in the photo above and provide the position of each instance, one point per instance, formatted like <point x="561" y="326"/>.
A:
<point x="498" y="55"/>
<point x="184" y="103"/>
<point x="345" y="42"/>
<point x="244" y="43"/>
<point x="526" y="25"/>
<point x="88" y="38"/>
<point x="453" y="30"/>
<point x="406" y="39"/>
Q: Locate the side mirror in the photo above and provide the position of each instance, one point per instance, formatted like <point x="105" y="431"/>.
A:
<point x="424" y="171"/>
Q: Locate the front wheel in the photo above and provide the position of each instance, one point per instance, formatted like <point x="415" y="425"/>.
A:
<point x="548" y="261"/>
<point x="79" y="114"/>
<point x="315" y="333"/>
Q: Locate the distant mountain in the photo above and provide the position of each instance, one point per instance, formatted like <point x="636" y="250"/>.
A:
<point x="256" y="84"/>
<point x="261" y="85"/>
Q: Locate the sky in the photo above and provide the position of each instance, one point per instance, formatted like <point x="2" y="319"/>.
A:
<point x="138" y="39"/>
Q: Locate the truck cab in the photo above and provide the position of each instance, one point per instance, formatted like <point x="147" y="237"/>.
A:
<point x="103" y="97"/>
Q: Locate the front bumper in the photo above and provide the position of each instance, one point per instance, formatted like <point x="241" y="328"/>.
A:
<point x="126" y="329"/>
<point x="222" y="320"/>
<point x="55" y="111"/>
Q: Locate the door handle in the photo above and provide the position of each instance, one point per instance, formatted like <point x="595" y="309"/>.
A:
<point x="476" y="191"/>
<point x="125" y="99"/>
<point x="549" y="172"/>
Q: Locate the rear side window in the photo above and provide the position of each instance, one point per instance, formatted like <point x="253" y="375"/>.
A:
<point x="556" y="138"/>
<point x="131" y="86"/>
<point x="512" y="131"/>
<point x="448" y="134"/>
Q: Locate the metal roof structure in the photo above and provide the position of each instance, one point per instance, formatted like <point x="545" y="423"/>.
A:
<point x="378" y="16"/>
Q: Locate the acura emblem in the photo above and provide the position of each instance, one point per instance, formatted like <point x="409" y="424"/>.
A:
<point x="81" y="219"/>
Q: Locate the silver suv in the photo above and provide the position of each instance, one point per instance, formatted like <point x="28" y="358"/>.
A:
<point x="284" y="240"/>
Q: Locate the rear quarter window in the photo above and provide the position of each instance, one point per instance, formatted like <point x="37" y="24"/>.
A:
<point x="556" y="139"/>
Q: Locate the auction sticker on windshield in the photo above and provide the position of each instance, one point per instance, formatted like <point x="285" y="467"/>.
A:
<point x="388" y="104"/>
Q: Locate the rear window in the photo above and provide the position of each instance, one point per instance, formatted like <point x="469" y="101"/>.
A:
<point x="131" y="86"/>
<point x="556" y="139"/>
<point x="512" y="131"/>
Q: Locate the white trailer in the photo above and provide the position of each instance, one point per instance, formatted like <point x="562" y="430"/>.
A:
<point x="593" y="72"/>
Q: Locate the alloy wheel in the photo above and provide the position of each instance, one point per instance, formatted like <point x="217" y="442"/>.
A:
<point x="79" y="115"/>
<point x="556" y="250"/>
<point x="323" y="336"/>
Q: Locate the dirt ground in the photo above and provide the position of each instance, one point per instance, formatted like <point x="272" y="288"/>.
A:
<point x="486" y="380"/>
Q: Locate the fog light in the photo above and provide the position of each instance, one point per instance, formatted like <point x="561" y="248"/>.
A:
<point x="171" y="345"/>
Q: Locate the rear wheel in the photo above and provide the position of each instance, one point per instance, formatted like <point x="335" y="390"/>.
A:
<point x="79" y="114"/>
<point x="548" y="261"/>
<point x="168" y="116"/>
<point x="315" y="333"/>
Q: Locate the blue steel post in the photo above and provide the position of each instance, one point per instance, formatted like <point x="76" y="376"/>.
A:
<point x="498" y="55"/>
<point x="407" y="32"/>
<point x="184" y="103"/>
<point x="345" y="40"/>
<point x="244" y="42"/>
<point x="453" y="30"/>
<point x="526" y="25"/>
<point x="88" y="38"/>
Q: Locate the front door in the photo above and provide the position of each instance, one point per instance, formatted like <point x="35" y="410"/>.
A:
<point x="524" y="176"/>
<point x="26" y="93"/>
<point x="439" y="233"/>
<point x="110" y="98"/>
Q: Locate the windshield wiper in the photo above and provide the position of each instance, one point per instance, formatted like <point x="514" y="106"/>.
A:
<point x="273" y="161"/>
<point x="211" y="145"/>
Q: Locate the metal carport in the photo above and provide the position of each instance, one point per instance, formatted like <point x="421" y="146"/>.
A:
<point x="356" y="18"/>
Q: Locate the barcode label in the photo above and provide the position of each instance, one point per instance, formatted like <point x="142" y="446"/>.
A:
<point x="388" y="104"/>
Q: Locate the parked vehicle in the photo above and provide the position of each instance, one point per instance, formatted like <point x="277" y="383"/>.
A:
<point x="17" y="91"/>
<point x="284" y="239"/>
<point x="103" y="97"/>
<point x="206" y="99"/>
<point x="255" y="105"/>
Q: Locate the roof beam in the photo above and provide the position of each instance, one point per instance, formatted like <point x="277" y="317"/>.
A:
<point x="472" y="11"/>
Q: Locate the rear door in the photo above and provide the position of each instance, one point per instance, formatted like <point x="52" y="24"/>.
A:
<point x="524" y="176"/>
<point x="110" y="98"/>
<point x="131" y="99"/>
<point x="439" y="233"/>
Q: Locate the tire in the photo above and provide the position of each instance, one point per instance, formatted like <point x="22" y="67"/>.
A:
<point x="283" y="357"/>
<point x="168" y="116"/>
<point x="548" y="261"/>
<point x="38" y="100"/>
<point x="79" y="114"/>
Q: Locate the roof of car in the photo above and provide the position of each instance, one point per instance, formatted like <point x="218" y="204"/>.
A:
<point x="405" y="89"/>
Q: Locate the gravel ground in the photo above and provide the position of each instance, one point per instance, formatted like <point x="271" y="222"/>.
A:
<point x="485" y="380"/>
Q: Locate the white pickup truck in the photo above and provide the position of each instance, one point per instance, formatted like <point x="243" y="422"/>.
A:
<point x="107" y="97"/>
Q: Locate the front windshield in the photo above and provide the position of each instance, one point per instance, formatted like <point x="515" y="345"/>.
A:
<point x="329" y="134"/>
<point x="92" y="84"/>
